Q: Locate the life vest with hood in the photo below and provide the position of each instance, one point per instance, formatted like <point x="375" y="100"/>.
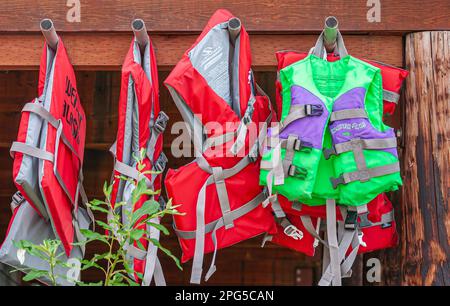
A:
<point x="335" y="107"/>
<point x="218" y="192"/>
<point x="47" y="169"/>
<point x="141" y="125"/>
<point x="375" y="237"/>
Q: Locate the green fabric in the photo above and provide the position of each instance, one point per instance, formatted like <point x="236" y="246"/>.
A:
<point x="327" y="81"/>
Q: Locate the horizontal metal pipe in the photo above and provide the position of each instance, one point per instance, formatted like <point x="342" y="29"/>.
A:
<point x="234" y="27"/>
<point x="49" y="32"/>
<point x="330" y="33"/>
<point x="140" y="33"/>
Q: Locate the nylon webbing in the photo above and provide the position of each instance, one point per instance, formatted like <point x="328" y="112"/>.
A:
<point x="156" y="128"/>
<point x="371" y="144"/>
<point x="348" y="114"/>
<point x="301" y="111"/>
<point x="236" y="214"/>
<point x="333" y="246"/>
<point x="349" y="177"/>
<point x="222" y="194"/>
<point x="391" y="96"/>
<point x="24" y="148"/>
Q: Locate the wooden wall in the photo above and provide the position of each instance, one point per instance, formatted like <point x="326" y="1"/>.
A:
<point x="98" y="43"/>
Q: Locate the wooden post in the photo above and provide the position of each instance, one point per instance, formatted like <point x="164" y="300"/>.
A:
<point x="425" y="194"/>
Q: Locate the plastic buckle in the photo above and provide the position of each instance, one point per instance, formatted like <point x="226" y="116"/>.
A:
<point x="313" y="109"/>
<point x="364" y="220"/>
<point x="351" y="220"/>
<point x="337" y="181"/>
<point x="161" y="122"/>
<point x="17" y="198"/>
<point x="160" y="163"/>
<point x="328" y="152"/>
<point x="293" y="232"/>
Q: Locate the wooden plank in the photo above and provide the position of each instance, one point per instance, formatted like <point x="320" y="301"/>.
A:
<point x="425" y="237"/>
<point x="257" y="16"/>
<point x="105" y="51"/>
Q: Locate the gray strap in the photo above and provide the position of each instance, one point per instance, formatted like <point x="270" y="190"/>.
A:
<point x="78" y="235"/>
<point x="39" y="110"/>
<point x="371" y="144"/>
<point x="328" y="276"/>
<point x="151" y="256"/>
<point x="364" y="176"/>
<point x="156" y="128"/>
<point x="348" y="114"/>
<point x="307" y="223"/>
<point x="158" y="275"/>
<point x="297" y="112"/>
<point x="275" y="205"/>
<point x="333" y="243"/>
<point x="212" y="268"/>
<point x="31" y="151"/>
<point x="390" y="96"/>
<point x="197" y="262"/>
<point x="218" y="140"/>
<point x="237" y="213"/>
<point x="289" y="229"/>
<point x="135" y="252"/>
<point x="131" y="172"/>
<point x="289" y="155"/>
<point x="222" y="194"/>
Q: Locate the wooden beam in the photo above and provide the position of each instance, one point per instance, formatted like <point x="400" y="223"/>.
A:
<point x="425" y="194"/>
<point x="256" y="15"/>
<point x="106" y="51"/>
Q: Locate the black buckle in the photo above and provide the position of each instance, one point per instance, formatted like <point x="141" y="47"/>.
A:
<point x="337" y="181"/>
<point x="17" y="198"/>
<point x="328" y="152"/>
<point x="364" y="220"/>
<point x="313" y="109"/>
<point x="351" y="220"/>
<point x="300" y="145"/>
<point x="298" y="172"/>
<point x="160" y="163"/>
<point x="246" y="119"/>
<point x="161" y="122"/>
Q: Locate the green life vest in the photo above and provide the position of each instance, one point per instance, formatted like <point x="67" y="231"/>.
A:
<point x="331" y="142"/>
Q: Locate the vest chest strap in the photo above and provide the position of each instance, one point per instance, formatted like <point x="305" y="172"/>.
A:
<point x="355" y="144"/>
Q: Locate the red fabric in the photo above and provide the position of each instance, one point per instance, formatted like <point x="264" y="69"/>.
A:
<point x="65" y="106"/>
<point x="183" y="184"/>
<point x="375" y="237"/>
<point x="147" y="94"/>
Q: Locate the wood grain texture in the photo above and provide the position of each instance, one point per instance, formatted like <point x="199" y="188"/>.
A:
<point x="104" y="51"/>
<point x="257" y="16"/>
<point x="426" y="222"/>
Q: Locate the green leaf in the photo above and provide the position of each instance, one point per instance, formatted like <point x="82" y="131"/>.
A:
<point x="104" y="225"/>
<point x="149" y="207"/>
<point x="159" y="227"/>
<point x="137" y="192"/>
<point x="34" y="274"/>
<point x="100" y="209"/>
<point x="107" y="189"/>
<point x="136" y="234"/>
<point x="168" y="253"/>
<point x="91" y="235"/>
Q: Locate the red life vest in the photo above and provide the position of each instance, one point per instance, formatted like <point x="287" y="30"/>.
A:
<point x="378" y="226"/>
<point x="392" y="78"/>
<point x="140" y="126"/>
<point x="218" y="192"/>
<point x="48" y="153"/>
<point x="375" y="235"/>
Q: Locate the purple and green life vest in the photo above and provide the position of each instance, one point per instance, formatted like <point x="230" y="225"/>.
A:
<point x="331" y="142"/>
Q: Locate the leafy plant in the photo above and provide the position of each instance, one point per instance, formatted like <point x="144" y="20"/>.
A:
<point x="121" y="231"/>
